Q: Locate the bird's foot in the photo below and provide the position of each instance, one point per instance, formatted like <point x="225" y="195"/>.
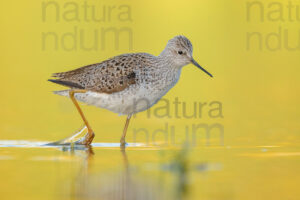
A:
<point x="88" y="138"/>
<point x="123" y="144"/>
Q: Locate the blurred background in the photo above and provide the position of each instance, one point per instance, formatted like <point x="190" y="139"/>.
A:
<point x="251" y="105"/>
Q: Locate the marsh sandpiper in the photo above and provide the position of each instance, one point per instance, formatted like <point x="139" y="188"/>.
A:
<point x="128" y="83"/>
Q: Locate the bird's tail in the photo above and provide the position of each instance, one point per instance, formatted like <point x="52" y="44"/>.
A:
<point x="64" y="93"/>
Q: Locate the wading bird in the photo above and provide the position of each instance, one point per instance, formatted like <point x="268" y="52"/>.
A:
<point x="128" y="83"/>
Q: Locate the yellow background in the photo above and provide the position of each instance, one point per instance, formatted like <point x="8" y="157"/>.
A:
<point x="259" y="91"/>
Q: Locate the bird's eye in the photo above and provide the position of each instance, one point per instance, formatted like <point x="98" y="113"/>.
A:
<point x="180" y="52"/>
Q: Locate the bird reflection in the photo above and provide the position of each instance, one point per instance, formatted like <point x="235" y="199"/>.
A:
<point x="127" y="183"/>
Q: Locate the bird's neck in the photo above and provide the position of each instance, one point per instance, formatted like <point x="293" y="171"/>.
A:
<point x="166" y="72"/>
<point x="166" y="58"/>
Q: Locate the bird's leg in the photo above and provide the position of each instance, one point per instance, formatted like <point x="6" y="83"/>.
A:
<point x="122" y="141"/>
<point x="90" y="135"/>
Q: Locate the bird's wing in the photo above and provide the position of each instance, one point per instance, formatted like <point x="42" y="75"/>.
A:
<point x="112" y="75"/>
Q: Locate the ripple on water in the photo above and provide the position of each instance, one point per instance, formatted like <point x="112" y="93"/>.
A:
<point x="47" y="144"/>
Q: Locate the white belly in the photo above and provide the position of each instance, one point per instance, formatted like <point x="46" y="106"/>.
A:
<point x="129" y="101"/>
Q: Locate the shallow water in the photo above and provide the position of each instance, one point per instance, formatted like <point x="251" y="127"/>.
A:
<point x="32" y="170"/>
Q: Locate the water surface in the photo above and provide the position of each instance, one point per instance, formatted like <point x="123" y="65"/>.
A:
<point x="33" y="170"/>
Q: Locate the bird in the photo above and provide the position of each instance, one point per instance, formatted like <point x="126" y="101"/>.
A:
<point x="128" y="83"/>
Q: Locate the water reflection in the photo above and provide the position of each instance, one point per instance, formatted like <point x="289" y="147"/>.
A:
<point x="126" y="183"/>
<point x="168" y="179"/>
<point x="79" y="187"/>
<point x="106" y="171"/>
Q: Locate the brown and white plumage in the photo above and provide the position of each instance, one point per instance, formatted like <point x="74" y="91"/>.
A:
<point x="129" y="83"/>
<point x="112" y="75"/>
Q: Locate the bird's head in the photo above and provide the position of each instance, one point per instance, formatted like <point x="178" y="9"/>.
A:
<point x="180" y="51"/>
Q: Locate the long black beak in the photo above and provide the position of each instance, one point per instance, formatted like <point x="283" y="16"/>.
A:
<point x="197" y="65"/>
